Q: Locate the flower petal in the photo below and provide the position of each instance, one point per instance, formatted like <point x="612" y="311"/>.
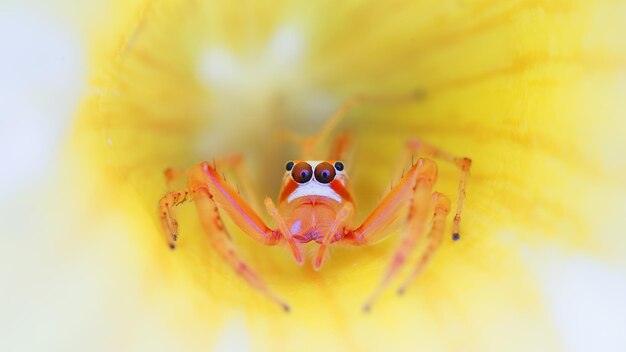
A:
<point x="530" y="90"/>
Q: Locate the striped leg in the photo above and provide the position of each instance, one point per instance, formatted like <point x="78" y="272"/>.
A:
<point x="434" y="238"/>
<point x="419" y="209"/>
<point x="212" y="194"/>
<point x="220" y="240"/>
<point x="168" y="216"/>
<point x="463" y="163"/>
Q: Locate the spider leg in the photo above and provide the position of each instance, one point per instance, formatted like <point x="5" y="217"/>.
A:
<point x="234" y="163"/>
<point x="220" y="239"/>
<point x="177" y="197"/>
<point x="295" y="249"/>
<point x="389" y="209"/>
<point x="463" y="163"/>
<point x="168" y="216"/>
<point x="340" y="146"/>
<point x="204" y="175"/>
<point x="227" y="198"/>
<point x="172" y="175"/>
<point x="212" y="194"/>
<point x="310" y="144"/>
<point x="342" y="216"/>
<point x="416" y="185"/>
<point x="442" y="208"/>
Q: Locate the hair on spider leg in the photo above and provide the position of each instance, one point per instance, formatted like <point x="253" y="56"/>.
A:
<point x="400" y="179"/>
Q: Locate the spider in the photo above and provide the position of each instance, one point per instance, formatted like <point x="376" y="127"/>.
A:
<point x="315" y="204"/>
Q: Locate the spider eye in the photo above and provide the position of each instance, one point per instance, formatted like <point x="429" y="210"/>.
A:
<point x="289" y="165"/>
<point x="302" y="172"/>
<point x="339" y="166"/>
<point x="324" y="172"/>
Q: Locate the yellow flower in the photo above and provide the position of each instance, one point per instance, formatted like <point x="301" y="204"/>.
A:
<point x="532" y="91"/>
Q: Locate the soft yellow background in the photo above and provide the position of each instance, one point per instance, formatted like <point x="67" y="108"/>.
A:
<point x="532" y="91"/>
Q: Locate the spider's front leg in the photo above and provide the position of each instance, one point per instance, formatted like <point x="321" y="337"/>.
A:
<point x="176" y="197"/>
<point x="414" y="189"/>
<point x="220" y="239"/>
<point x="212" y="194"/>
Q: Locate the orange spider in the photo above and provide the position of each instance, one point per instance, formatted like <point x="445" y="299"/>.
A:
<point x="315" y="204"/>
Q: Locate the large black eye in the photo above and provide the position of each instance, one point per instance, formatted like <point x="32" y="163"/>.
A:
<point x="302" y="172"/>
<point x="324" y="172"/>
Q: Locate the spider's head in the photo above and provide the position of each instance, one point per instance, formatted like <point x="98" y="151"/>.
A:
<point x="314" y="178"/>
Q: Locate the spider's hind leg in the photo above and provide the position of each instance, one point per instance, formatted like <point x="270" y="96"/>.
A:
<point x="310" y="144"/>
<point x="434" y="238"/>
<point x="463" y="163"/>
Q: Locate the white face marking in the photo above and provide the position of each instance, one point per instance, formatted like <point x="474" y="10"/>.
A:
<point x="314" y="188"/>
